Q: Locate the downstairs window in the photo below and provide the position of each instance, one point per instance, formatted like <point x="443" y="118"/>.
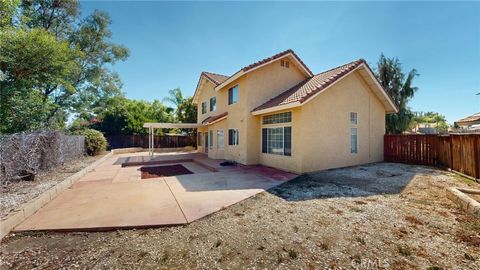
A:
<point x="277" y="141"/>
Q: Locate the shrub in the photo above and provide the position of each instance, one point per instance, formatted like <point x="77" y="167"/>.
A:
<point x="95" y="142"/>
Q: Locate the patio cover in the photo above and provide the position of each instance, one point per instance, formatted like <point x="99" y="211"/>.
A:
<point x="152" y="126"/>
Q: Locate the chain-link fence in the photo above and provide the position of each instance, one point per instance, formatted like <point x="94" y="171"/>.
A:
<point x="24" y="155"/>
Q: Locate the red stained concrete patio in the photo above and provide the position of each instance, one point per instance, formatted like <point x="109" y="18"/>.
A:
<point x="113" y="196"/>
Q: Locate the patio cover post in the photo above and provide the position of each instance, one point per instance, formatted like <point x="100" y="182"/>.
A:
<point x="150" y="142"/>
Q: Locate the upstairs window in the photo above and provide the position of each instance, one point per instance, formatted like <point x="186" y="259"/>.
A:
<point x="353" y="118"/>
<point x="233" y="95"/>
<point x="204" y="107"/>
<point x="213" y="104"/>
<point x="233" y="137"/>
<point x="285" y="117"/>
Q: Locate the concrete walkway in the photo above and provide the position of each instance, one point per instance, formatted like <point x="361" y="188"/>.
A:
<point x="113" y="196"/>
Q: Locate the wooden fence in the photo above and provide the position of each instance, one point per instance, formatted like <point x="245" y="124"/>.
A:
<point x="125" y="141"/>
<point x="459" y="152"/>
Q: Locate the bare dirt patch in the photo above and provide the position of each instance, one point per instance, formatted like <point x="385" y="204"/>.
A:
<point x="15" y="193"/>
<point x="367" y="217"/>
<point x="165" y="170"/>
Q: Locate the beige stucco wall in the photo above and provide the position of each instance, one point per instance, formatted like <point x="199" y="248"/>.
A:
<point x="288" y="163"/>
<point x="263" y="85"/>
<point x="325" y="126"/>
<point x="235" y="120"/>
<point x="254" y="89"/>
<point x="205" y="93"/>
<point x="320" y="128"/>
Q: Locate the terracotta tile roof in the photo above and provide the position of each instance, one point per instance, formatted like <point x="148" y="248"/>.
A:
<point x="276" y="56"/>
<point x="470" y="119"/>
<point x="311" y="86"/>
<point x="216" y="78"/>
<point x="214" y="118"/>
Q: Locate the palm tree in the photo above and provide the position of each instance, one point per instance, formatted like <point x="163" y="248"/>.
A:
<point x="399" y="87"/>
<point x="175" y="97"/>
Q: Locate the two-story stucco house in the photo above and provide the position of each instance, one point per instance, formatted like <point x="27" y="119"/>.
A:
<point x="277" y="113"/>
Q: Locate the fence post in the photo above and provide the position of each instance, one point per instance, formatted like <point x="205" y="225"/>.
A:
<point x="451" y="152"/>
<point x="476" y="155"/>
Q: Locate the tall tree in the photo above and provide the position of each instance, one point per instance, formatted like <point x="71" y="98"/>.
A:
<point x="44" y="34"/>
<point x="186" y="111"/>
<point x="400" y="88"/>
<point x="8" y="10"/>
<point x="175" y="97"/>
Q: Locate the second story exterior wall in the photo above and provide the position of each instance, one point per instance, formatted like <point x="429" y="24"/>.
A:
<point x="206" y="92"/>
<point x="263" y="85"/>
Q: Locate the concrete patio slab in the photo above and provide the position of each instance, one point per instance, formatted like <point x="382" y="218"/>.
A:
<point x="202" y="194"/>
<point x="104" y="206"/>
<point x="113" y="196"/>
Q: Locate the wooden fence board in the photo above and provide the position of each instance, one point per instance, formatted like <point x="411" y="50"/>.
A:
<point x="126" y="141"/>
<point x="460" y="152"/>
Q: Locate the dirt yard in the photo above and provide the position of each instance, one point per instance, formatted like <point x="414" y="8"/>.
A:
<point x="15" y="193"/>
<point x="380" y="216"/>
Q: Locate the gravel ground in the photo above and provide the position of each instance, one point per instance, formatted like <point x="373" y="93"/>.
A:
<point x="15" y="193"/>
<point x="380" y="216"/>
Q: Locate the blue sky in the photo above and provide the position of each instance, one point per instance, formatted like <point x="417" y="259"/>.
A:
<point x="171" y="43"/>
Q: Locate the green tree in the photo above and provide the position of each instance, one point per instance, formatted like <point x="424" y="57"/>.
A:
<point x="30" y="62"/>
<point x="435" y="118"/>
<point x="124" y="116"/>
<point x="175" y="97"/>
<point x="400" y="88"/>
<point x="47" y="49"/>
<point x="186" y="111"/>
<point x="8" y="10"/>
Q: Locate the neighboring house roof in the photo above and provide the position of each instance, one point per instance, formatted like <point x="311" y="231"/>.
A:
<point x="215" y="118"/>
<point x="470" y="120"/>
<point x="307" y="89"/>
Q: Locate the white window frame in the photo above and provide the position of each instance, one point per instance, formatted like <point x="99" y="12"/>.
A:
<point x="228" y="95"/>
<point x="204" y="103"/>
<point x="353" y="118"/>
<point x="210" y="139"/>
<point x="214" y="106"/>
<point x="220" y="143"/>
<point x="236" y="138"/>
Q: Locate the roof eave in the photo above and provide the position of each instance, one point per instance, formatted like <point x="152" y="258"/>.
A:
<point x="199" y="84"/>
<point x="393" y="108"/>
<point x="277" y="108"/>
<point x="215" y="121"/>
<point x="241" y="72"/>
